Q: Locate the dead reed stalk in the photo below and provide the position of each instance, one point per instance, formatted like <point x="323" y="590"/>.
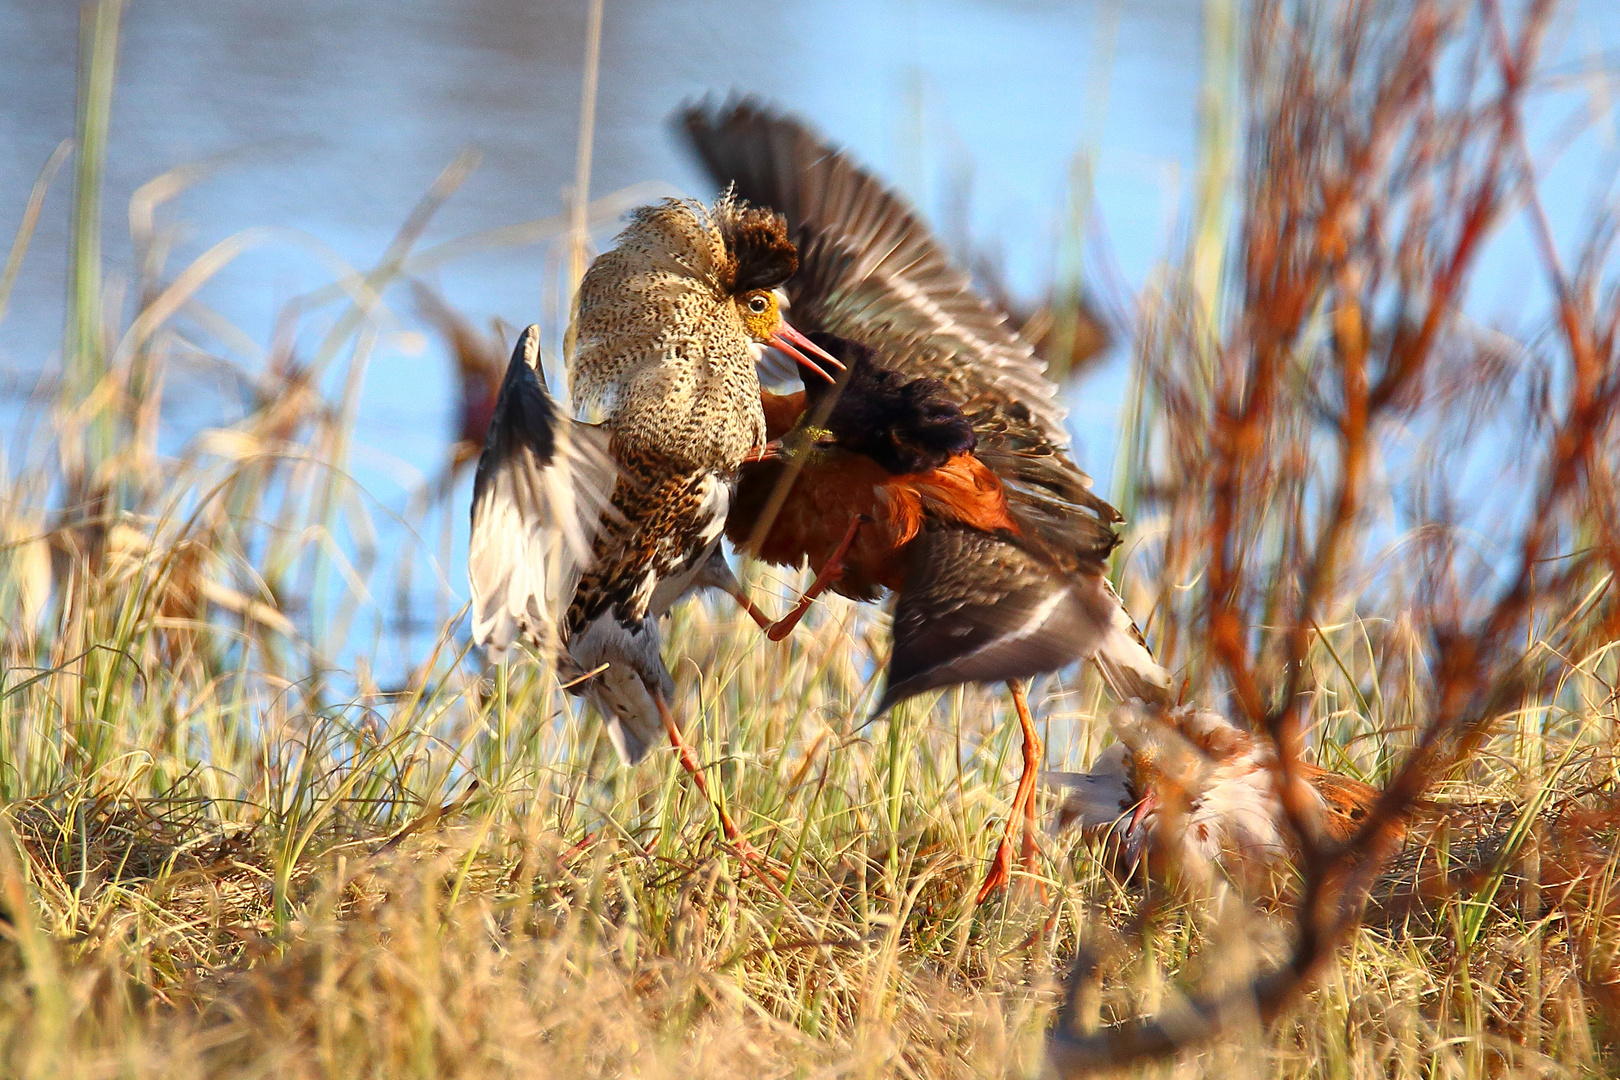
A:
<point x="1385" y="147"/>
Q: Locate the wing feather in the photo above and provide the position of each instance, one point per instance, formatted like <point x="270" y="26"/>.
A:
<point x="543" y="488"/>
<point x="984" y="607"/>
<point x="869" y="268"/>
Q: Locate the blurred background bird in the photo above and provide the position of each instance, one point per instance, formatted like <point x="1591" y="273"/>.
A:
<point x="945" y="433"/>
<point x="584" y="534"/>
<point x="1186" y="793"/>
<point x="1189" y="799"/>
<point x="480" y="363"/>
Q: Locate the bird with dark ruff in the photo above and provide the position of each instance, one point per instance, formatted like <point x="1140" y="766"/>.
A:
<point x="937" y="469"/>
<point x="584" y="534"/>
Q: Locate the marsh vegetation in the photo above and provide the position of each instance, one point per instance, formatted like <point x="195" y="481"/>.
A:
<point x="234" y="844"/>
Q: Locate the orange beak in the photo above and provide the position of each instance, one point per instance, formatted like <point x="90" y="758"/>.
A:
<point x="1143" y="805"/>
<point x="1136" y="839"/>
<point x="798" y="346"/>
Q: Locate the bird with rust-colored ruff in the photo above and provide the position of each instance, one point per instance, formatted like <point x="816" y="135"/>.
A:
<point x="1189" y="798"/>
<point x="1186" y="792"/>
<point x="939" y="470"/>
<point x="584" y="534"/>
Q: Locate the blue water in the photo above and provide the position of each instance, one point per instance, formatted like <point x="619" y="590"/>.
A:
<point x="330" y="118"/>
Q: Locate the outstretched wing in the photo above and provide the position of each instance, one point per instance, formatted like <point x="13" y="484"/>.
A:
<point x="869" y="269"/>
<point x="1099" y="798"/>
<point x="982" y="607"/>
<point x="543" y="487"/>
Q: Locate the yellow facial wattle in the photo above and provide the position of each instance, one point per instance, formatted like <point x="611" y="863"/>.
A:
<point x="760" y="315"/>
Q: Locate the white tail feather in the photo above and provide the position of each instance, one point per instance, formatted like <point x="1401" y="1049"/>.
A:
<point x="1126" y="663"/>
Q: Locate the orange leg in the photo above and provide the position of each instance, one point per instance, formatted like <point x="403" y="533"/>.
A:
<point x="1022" y="811"/>
<point x="829" y="573"/>
<point x="752" y="608"/>
<point x="749" y="854"/>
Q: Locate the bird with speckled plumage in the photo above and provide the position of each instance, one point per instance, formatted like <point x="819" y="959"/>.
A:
<point x="1186" y="792"/>
<point x="584" y="534"/>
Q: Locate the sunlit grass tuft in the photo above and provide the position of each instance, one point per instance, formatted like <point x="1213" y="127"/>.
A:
<point x="234" y="843"/>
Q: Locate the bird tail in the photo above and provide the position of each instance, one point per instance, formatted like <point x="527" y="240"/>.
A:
<point x="1125" y="661"/>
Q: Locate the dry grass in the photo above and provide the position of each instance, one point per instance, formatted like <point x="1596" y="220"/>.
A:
<point x="227" y="851"/>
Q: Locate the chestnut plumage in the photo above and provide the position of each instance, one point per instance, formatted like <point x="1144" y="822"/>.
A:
<point x="1197" y="794"/>
<point x="945" y="433"/>
<point x="935" y="374"/>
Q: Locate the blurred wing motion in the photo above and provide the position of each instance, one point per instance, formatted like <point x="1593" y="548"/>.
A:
<point x="1100" y="798"/>
<point x="869" y="269"/>
<point x="979" y="607"/>
<point x="978" y="604"/>
<point x="543" y="487"/>
<point x="1003" y="580"/>
<point x="479" y="361"/>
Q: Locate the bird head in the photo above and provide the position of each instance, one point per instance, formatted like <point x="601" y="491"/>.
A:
<point x="1207" y="793"/>
<point x="685" y="293"/>
<point x="907" y="425"/>
<point x="1169" y="768"/>
<point x="759" y="257"/>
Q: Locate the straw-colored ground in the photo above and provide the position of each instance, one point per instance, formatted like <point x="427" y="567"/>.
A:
<point x="225" y="850"/>
<point x="199" y="879"/>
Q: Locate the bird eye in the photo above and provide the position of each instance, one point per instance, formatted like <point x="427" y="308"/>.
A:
<point x="758" y="304"/>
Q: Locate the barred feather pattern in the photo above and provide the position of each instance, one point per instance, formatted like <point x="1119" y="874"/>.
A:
<point x="540" y="498"/>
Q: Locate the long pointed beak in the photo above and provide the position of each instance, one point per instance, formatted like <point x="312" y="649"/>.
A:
<point x="1136" y="840"/>
<point x="1143" y="805"/>
<point x="802" y="348"/>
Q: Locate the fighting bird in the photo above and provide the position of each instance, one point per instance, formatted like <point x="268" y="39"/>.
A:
<point x="1185" y="792"/>
<point x="584" y="534"/>
<point x="1189" y="798"/>
<point x="939" y="470"/>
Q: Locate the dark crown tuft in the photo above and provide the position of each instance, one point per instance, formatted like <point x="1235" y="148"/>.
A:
<point x="761" y="254"/>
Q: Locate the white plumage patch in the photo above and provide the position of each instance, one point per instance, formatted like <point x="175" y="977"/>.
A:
<point x="1214" y="785"/>
<point x="1098" y="798"/>
<point x="634" y="672"/>
<point x="543" y="487"/>
<point x="1125" y="662"/>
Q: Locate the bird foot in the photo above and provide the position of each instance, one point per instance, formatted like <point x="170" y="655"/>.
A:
<point x="1029" y="861"/>
<point x="750" y="855"/>
<point x="573" y="850"/>
<point x="757" y="861"/>
<point x="1000" y="872"/>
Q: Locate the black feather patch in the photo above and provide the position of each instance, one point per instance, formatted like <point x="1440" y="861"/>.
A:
<point x="524" y="417"/>
<point x="905" y="424"/>
<point x="762" y="255"/>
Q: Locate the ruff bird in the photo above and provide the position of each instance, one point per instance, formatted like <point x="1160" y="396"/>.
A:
<point x="1187" y="795"/>
<point x="1186" y="792"/>
<point x="937" y="468"/>
<point x="584" y="534"/>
